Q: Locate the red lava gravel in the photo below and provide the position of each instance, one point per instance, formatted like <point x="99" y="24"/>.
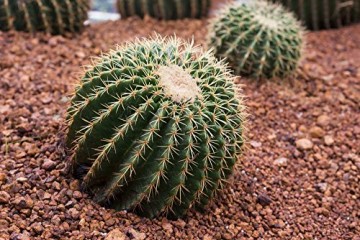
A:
<point x="299" y="178"/>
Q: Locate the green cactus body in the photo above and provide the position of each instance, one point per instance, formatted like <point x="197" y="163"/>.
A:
<point x="51" y="16"/>
<point x="258" y="39"/>
<point x="164" y="9"/>
<point x="156" y="127"/>
<point x="324" y="14"/>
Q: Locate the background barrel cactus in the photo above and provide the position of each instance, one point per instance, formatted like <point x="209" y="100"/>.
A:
<point x="258" y="39"/>
<point x="324" y="14"/>
<point x="55" y="16"/>
<point x="156" y="127"/>
<point x="164" y="9"/>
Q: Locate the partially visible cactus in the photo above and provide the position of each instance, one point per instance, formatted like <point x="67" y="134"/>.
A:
<point x="258" y="39"/>
<point x="155" y="126"/>
<point x="51" y="16"/>
<point x="324" y="14"/>
<point x="164" y="9"/>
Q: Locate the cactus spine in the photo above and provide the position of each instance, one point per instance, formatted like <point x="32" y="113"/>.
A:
<point x="155" y="126"/>
<point x="258" y="39"/>
<point x="51" y="16"/>
<point x="324" y="14"/>
<point x="164" y="9"/>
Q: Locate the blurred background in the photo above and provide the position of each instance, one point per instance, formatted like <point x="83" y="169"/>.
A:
<point x="104" y="6"/>
<point x="103" y="10"/>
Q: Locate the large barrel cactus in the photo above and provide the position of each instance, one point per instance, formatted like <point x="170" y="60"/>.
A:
<point x="258" y="39"/>
<point x="51" y="16"/>
<point x="156" y="127"/>
<point x="164" y="9"/>
<point x="324" y="14"/>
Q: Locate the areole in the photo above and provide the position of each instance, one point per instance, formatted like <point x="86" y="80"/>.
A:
<point x="178" y="84"/>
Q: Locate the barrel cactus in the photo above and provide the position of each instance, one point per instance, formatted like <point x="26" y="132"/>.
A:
<point x="258" y="39"/>
<point x="55" y="16"/>
<point x="324" y="14"/>
<point x="164" y="9"/>
<point x="155" y="127"/>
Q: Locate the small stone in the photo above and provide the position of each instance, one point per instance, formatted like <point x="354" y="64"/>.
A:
<point x="23" y="203"/>
<point x="2" y="177"/>
<point x="329" y="140"/>
<point x="115" y="234"/>
<point x="80" y="54"/>
<point x="303" y="128"/>
<point x="207" y="237"/>
<point x="46" y="196"/>
<point x="321" y="187"/>
<point x="322" y="211"/>
<point x="136" y="235"/>
<point x="227" y="236"/>
<point x="323" y="120"/>
<point x="30" y="148"/>
<point x="77" y="195"/>
<point x="38" y="228"/>
<point x="3" y="224"/>
<point x="255" y="234"/>
<point x="255" y="144"/>
<point x="74" y="213"/>
<point x="304" y="144"/>
<point x="48" y="165"/>
<point x="56" y="186"/>
<point x="316" y="132"/>
<point x="179" y="223"/>
<point x="281" y="161"/>
<point x="263" y="199"/>
<point x="56" y="220"/>
<point x="167" y="227"/>
<point x="74" y="185"/>
<point x="82" y="222"/>
<point x="110" y="222"/>
<point x="9" y="165"/>
<point x="4" y="197"/>
<point x="21" y="179"/>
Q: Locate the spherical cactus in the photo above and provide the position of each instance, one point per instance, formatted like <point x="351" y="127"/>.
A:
<point x="164" y="9"/>
<point x="258" y="39"/>
<point x="156" y="127"/>
<point x="51" y="16"/>
<point x="324" y="14"/>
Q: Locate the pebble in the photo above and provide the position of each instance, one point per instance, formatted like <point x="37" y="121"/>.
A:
<point x="74" y="213"/>
<point x="207" y="237"/>
<point x="316" y="132"/>
<point x="48" y="164"/>
<point x="23" y="203"/>
<point x="77" y="194"/>
<point x="329" y="140"/>
<point x="167" y="227"/>
<point x="22" y="179"/>
<point x="321" y="187"/>
<point x="9" y="165"/>
<point x="281" y="161"/>
<point x="323" y="120"/>
<point x="3" y="225"/>
<point x="136" y="235"/>
<point x="263" y="199"/>
<point x="38" y="228"/>
<point x="322" y="211"/>
<point x="255" y="144"/>
<point x="4" y="197"/>
<point x="304" y="144"/>
<point x="227" y="236"/>
<point x="2" y="177"/>
<point x="115" y="234"/>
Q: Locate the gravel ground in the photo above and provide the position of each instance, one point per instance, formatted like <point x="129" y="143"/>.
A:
<point x="298" y="180"/>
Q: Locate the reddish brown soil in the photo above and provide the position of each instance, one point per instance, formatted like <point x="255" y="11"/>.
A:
<point x="281" y="191"/>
